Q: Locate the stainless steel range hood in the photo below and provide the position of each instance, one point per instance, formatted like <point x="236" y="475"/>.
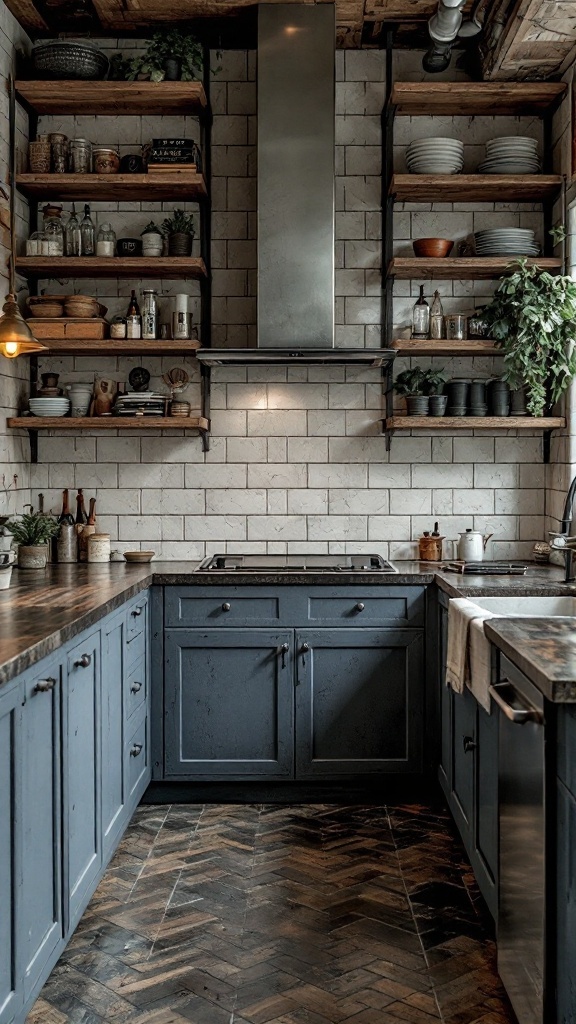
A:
<point x="296" y="127"/>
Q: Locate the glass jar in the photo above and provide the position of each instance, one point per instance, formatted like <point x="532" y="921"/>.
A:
<point x="118" y="327"/>
<point x="149" y="315"/>
<point x="34" y="245"/>
<point x="81" y="156"/>
<point x="106" y="161"/>
<point x="106" y="241"/>
<point x="53" y="232"/>
<point x="59" y="147"/>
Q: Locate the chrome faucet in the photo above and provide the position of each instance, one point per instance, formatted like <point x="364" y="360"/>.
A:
<point x="561" y="540"/>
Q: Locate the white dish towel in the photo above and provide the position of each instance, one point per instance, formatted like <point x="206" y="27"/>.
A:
<point x="468" y="661"/>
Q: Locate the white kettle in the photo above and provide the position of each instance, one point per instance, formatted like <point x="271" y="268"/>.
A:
<point x="472" y="545"/>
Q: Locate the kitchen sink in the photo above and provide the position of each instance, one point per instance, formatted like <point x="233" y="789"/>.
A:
<point x="535" y="607"/>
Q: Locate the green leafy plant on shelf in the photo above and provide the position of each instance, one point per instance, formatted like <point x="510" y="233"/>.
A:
<point x="179" y="223"/>
<point x="33" y="528"/>
<point x="533" y="318"/>
<point x="172" y="44"/>
<point x="416" y="381"/>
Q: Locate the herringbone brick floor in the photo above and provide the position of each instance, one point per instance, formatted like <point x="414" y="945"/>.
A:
<point x="267" y="914"/>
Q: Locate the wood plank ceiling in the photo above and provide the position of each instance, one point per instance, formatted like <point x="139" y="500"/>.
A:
<point x="521" y="39"/>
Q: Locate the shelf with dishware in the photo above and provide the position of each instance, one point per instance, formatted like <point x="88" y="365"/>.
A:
<point x="474" y="423"/>
<point x="157" y="187"/>
<point x="445" y="347"/>
<point x="35" y="423"/>
<point x="117" y="98"/>
<point x="489" y="188"/>
<point x="171" y="267"/>
<point x="463" y="268"/>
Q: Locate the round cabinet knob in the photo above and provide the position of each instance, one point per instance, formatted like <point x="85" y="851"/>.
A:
<point x="84" y="661"/>
<point x="285" y="647"/>
<point x="226" y="606"/>
<point x="137" y="612"/>
<point x="44" y="685"/>
<point x="136" y="687"/>
<point x="305" y="647"/>
<point x="360" y="606"/>
<point x="135" y="750"/>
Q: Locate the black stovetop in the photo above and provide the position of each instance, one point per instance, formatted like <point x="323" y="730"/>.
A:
<point x="296" y="563"/>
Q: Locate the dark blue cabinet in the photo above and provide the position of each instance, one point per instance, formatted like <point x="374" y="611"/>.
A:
<point x="359" y="701"/>
<point x="82" y="773"/>
<point x="228" y="698"/>
<point x="468" y="771"/>
<point x="565" y="960"/>
<point x="40" y="927"/>
<point x="11" y="989"/>
<point x="113" y="780"/>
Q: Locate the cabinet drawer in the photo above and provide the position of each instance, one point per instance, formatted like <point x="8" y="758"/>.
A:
<point x="135" y="687"/>
<point x="135" y="649"/>
<point x="226" y="606"/>
<point x="376" y="606"/>
<point x="136" y="618"/>
<point x="136" y="758"/>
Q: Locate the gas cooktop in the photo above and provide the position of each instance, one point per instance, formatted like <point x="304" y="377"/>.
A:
<point x="295" y="563"/>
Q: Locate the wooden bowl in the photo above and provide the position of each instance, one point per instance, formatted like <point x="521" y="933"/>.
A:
<point x="432" y="247"/>
<point x="82" y="306"/>
<point x="49" y="310"/>
<point x="139" y="556"/>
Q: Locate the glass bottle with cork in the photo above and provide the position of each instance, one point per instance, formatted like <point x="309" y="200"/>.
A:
<point x="421" y="317"/>
<point x="87" y="233"/>
<point x="72" y="237"/>
<point x="133" y="319"/>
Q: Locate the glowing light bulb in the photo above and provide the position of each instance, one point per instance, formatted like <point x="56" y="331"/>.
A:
<point x="11" y="349"/>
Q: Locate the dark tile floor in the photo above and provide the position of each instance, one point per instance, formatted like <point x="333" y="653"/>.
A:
<point x="267" y="914"/>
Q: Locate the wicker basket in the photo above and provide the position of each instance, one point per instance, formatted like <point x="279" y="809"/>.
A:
<point x="39" y="157"/>
<point x="67" y="58"/>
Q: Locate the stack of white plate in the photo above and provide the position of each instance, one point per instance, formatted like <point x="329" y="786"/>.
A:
<point x="435" y="156"/>
<point x="506" y="242"/>
<point x="511" y="155"/>
<point x="49" y="406"/>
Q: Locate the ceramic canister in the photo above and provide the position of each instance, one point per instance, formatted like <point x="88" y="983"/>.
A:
<point x="99" y="547"/>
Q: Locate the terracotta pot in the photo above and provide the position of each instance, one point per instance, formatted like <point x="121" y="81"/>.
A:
<point x="32" y="556"/>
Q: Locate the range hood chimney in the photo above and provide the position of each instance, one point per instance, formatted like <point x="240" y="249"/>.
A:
<point x="296" y="151"/>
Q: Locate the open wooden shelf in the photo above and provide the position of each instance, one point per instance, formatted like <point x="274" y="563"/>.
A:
<point x="462" y="268"/>
<point x="178" y="186"/>
<point x="109" y="423"/>
<point x="117" y="347"/>
<point x="115" y="98"/>
<point x="443" y="347"/>
<point x="469" y="98"/>
<point x="489" y="188"/>
<point x="113" y="266"/>
<point x="474" y="422"/>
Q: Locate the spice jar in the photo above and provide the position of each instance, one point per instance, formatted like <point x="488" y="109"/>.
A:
<point x="106" y="241"/>
<point x="34" y="244"/>
<point x="118" y="327"/>
<point x="53" y="231"/>
<point x="81" y="156"/>
<point x="59" y="147"/>
<point x="67" y="543"/>
<point x="455" y="326"/>
<point x="99" y="547"/>
<point x="105" y="161"/>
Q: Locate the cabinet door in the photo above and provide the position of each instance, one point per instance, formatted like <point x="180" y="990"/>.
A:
<point x="359" y="701"/>
<point x="446" y="700"/>
<point x="11" y="757"/>
<point x="486" y="804"/>
<point x="40" y="926"/>
<point x="113" y="775"/>
<point x="228" y="703"/>
<point x="565" y="960"/>
<point x="82" y="768"/>
<point x="463" y="748"/>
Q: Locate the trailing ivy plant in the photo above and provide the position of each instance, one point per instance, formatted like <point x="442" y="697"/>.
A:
<point x="172" y="43"/>
<point x="533" y="318"/>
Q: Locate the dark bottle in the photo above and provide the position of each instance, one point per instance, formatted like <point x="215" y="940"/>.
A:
<point x="81" y="516"/>
<point x="87" y="234"/>
<point x="65" y="515"/>
<point x="133" y="318"/>
<point x="436" y="531"/>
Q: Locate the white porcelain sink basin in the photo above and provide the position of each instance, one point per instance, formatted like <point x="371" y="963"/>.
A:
<point x="536" y="607"/>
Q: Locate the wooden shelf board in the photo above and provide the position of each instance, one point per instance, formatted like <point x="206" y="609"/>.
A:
<point x="117" y="347"/>
<point x="474" y="422"/>
<point x="469" y="98"/>
<point x="109" y="423"/>
<point x="114" y="266"/>
<point x="447" y="188"/>
<point x="462" y="268"/>
<point x="115" y="98"/>
<point x="154" y="187"/>
<point x="443" y="347"/>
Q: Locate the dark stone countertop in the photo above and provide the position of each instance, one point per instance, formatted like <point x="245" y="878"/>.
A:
<point x="43" y="610"/>
<point x="543" y="649"/>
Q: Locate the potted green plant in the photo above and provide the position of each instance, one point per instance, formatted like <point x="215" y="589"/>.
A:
<point x="433" y="386"/>
<point x="171" y="54"/>
<point x="533" y="318"/>
<point x="152" y="240"/>
<point x="180" y="231"/>
<point x="410" y="385"/>
<point x="32" y="531"/>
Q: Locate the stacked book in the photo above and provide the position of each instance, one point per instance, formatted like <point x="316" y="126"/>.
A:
<point x="171" y="155"/>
